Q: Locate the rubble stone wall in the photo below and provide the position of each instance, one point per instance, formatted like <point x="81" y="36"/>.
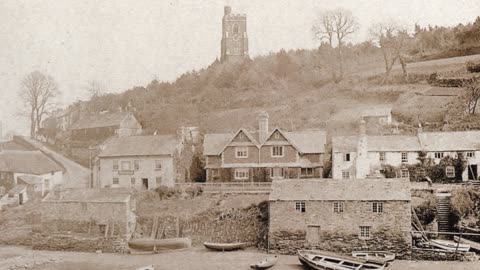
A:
<point x="79" y="243"/>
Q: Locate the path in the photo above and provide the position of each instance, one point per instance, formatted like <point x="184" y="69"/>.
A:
<point x="76" y="176"/>
<point x="192" y="259"/>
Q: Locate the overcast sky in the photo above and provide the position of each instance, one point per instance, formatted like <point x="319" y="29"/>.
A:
<point x="124" y="43"/>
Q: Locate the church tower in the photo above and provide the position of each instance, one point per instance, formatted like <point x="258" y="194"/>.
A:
<point x="234" y="36"/>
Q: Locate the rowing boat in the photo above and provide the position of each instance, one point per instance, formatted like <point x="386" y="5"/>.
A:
<point x="225" y="246"/>
<point x="473" y="245"/>
<point x="321" y="260"/>
<point x="265" y="263"/>
<point x="157" y="245"/>
<point x="449" y="245"/>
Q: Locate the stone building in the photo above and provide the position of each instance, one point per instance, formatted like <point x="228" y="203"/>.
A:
<point x="89" y="211"/>
<point x="234" y="45"/>
<point x="364" y="155"/>
<point x="264" y="155"/>
<point x="146" y="162"/>
<point x="340" y="215"/>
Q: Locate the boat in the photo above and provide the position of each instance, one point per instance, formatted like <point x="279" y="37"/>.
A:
<point x="225" y="246"/>
<point x="374" y="256"/>
<point x="449" y="245"/>
<point x="264" y="264"/>
<point x="158" y="245"/>
<point x="473" y="245"/>
<point x="148" y="267"/>
<point x="322" y="260"/>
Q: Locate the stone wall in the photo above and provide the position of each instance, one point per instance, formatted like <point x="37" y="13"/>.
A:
<point x="78" y="242"/>
<point x="440" y="255"/>
<point x="233" y="225"/>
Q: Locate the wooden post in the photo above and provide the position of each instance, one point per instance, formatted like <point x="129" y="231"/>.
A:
<point x="178" y="227"/>
<point x="459" y="238"/>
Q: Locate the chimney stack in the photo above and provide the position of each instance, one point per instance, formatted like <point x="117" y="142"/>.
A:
<point x="227" y="10"/>
<point x="263" y="126"/>
<point x="419" y="129"/>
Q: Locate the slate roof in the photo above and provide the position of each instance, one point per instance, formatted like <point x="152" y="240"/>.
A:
<point x="31" y="162"/>
<point x="17" y="189"/>
<point x="392" y="143"/>
<point x="100" y="120"/>
<point x="31" y="179"/>
<point x="308" y="141"/>
<point x="388" y="189"/>
<point x="111" y="195"/>
<point x="140" y="146"/>
<point x="450" y="141"/>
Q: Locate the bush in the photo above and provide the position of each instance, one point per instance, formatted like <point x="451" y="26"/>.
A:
<point x="427" y="211"/>
<point x="165" y="192"/>
<point x="194" y="191"/>
<point x="473" y="67"/>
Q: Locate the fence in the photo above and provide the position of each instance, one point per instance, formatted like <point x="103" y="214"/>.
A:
<point x="228" y="187"/>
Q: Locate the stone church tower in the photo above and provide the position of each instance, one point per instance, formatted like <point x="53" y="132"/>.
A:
<point x="234" y="36"/>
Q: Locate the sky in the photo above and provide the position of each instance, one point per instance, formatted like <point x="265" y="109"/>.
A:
<point x="127" y="43"/>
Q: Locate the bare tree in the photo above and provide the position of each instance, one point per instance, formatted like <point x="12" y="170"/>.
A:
<point x="392" y="39"/>
<point x="95" y="89"/>
<point x="334" y="26"/>
<point x="37" y="92"/>
<point x="472" y="95"/>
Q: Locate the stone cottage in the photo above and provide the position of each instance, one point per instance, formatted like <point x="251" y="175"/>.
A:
<point x="90" y="211"/>
<point x="146" y="162"/>
<point x="340" y="215"/>
<point x="264" y="155"/>
<point x="365" y="155"/>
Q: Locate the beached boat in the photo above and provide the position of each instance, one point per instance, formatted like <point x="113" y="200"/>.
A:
<point x="148" y="267"/>
<point x="449" y="245"/>
<point x="225" y="246"/>
<point x="321" y="260"/>
<point x="473" y="245"/>
<point x="374" y="256"/>
<point x="158" y="245"/>
<point x="264" y="264"/>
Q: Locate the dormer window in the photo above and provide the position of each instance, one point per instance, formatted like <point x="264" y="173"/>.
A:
<point x="241" y="152"/>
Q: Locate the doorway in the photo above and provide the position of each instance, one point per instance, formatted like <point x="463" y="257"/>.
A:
<point x="145" y="183"/>
<point x="20" y="198"/>
<point x="472" y="172"/>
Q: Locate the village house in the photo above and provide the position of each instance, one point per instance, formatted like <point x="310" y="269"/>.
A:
<point x="365" y="155"/>
<point x="264" y="155"/>
<point x="146" y="162"/>
<point x="90" y="211"/>
<point x="340" y="215"/>
<point x="104" y="125"/>
<point x="27" y="171"/>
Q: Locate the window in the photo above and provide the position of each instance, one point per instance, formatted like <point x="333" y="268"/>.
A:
<point x="338" y="207"/>
<point x="450" y="171"/>
<point x="46" y="184"/>
<point x="158" y="165"/>
<point x="404" y="157"/>
<point x="132" y="181"/>
<point x="241" y="152"/>
<point x="365" y="231"/>
<point x="102" y="228"/>
<point x="136" y="165"/>
<point x="345" y="174"/>
<point x="241" y="173"/>
<point x="126" y="166"/>
<point x="300" y="207"/>
<point x="115" y="165"/>
<point x="306" y="172"/>
<point x="438" y="154"/>
<point x="235" y="29"/>
<point x="377" y="207"/>
<point x="158" y="180"/>
<point x="115" y="181"/>
<point x="382" y="156"/>
<point x="404" y="173"/>
<point x="277" y="151"/>
<point x="470" y="154"/>
<point x="277" y="172"/>
<point x="346" y="157"/>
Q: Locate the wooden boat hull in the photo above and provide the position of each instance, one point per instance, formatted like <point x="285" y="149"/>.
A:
<point x="473" y="245"/>
<point x="449" y="245"/>
<point x="224" y="246"/>
<point x="374" y="256"/>
<point x="159" y="245"/>
<point x="319" y="260"/>
<point x="264" y="264"/>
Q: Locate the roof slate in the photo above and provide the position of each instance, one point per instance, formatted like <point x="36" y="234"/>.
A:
<point x="31" y="162"/>
<point x="387" y="189"/>
<point x="100" y="120"/>
<point x="395" y="143"/>
<point x="141" y="146"/>
<point x="450" y="141"/>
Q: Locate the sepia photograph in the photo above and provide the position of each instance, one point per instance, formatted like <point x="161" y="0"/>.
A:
<point x="239" y="134"/>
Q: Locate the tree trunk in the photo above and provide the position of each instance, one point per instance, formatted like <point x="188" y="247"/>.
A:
<point x="404" y="68"/>
<point x="32" y="124"/>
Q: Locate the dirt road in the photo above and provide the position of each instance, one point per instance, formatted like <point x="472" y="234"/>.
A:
<point x="76" y="176"/>
<point x="194" y="259"/>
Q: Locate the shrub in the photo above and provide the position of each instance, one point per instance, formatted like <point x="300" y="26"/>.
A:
<point x="194" y="191"/>
<point x="427" y="210"/>
<point x="165" y="192"/>
<point x="473" y="67"/>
